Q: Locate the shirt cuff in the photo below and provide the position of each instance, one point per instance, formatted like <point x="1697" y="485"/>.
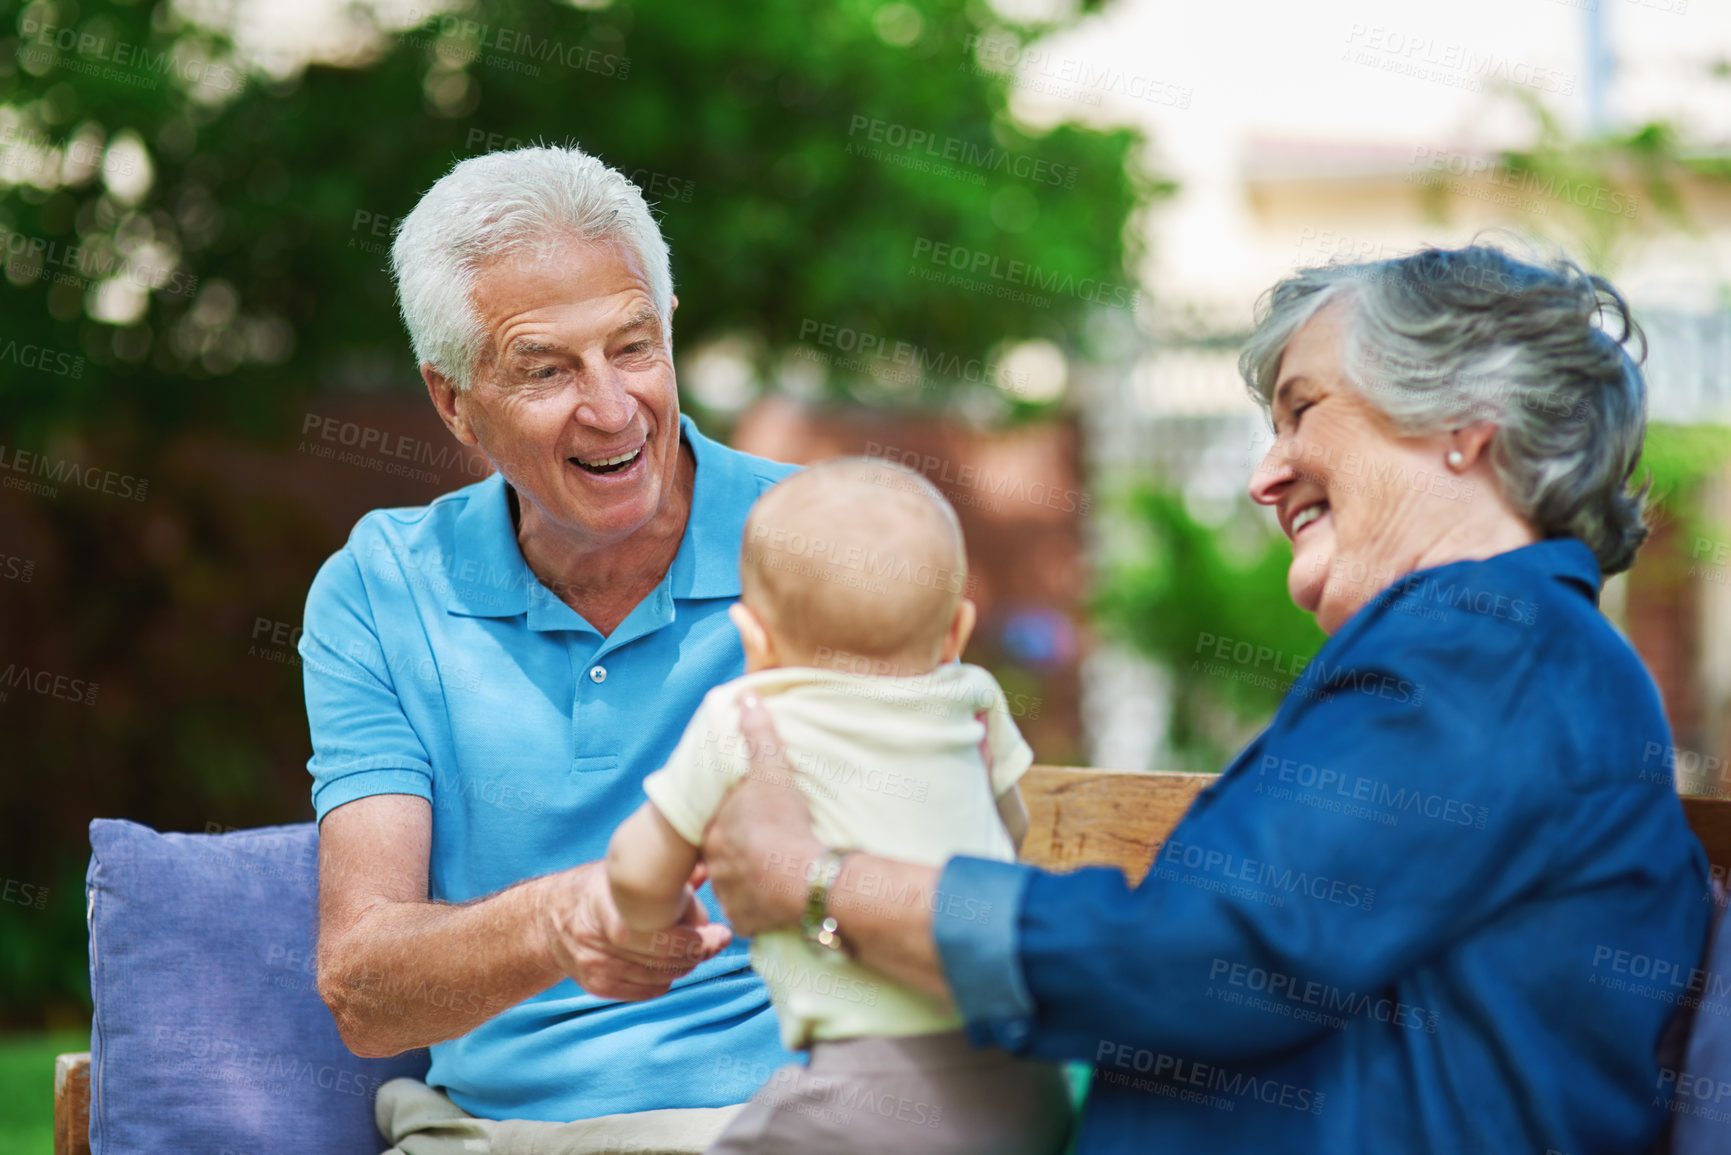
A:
<point x="976" y="928"/>
<point x="331" y="793"/>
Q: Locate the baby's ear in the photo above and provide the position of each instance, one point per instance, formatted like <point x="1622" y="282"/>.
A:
<point x="961" y="629"/>
<point x="759" y="652"/>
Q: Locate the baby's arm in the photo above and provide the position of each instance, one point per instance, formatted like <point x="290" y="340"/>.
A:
<point x="648" y="864"/>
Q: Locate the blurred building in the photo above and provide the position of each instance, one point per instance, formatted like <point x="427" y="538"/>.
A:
<point x="1181" y="411"/>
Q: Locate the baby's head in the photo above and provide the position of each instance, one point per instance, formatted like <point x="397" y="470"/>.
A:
<point x="856" y="557"/>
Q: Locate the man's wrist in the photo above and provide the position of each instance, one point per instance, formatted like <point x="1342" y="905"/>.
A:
<point x="553" y="905"/>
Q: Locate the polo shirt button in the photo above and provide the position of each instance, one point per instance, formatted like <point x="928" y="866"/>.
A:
<point x="598" y="674"/>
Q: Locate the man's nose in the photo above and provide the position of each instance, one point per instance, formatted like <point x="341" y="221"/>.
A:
<point x="607" y="405"/>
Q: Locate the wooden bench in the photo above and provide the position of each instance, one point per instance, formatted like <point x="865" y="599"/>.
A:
<point x="1078" y="817"/>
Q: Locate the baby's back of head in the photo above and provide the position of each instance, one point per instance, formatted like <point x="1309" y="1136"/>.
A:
<point x="855" y="556"/>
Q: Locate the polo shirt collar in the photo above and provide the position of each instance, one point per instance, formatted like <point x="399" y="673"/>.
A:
<point x="489" y="578"/>
<point x="707" y="565"/>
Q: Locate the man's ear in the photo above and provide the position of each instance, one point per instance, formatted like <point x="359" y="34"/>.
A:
<point x="450" y="402"/>
<point x="961" y="629"/>
<point x="759" y="649"/>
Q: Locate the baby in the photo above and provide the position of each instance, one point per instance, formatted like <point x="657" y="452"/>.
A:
<point x="849" y="564"/>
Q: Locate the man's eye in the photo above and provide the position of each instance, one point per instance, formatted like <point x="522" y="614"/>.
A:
<point x="543" y="373"/>
<point x="636" y="347"/>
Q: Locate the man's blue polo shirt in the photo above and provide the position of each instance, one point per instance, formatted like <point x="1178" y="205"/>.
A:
<point x="437" y="665"/>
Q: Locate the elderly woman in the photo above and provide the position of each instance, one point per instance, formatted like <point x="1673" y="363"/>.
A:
<point x="1406" y="916"/>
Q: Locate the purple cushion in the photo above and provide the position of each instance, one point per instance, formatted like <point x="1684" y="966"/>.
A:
<point x="209" y="1035"/>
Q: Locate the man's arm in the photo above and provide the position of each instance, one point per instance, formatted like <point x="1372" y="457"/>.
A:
<point x="400" y="971"/>
<point x="648" y="864"/>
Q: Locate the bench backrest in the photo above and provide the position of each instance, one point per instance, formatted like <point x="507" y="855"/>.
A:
<point x="1084" y="817"/>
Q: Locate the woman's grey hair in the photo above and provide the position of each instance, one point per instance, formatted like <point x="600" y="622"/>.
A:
<point x="1452" y="337"/>
<point x="505" y="203"/>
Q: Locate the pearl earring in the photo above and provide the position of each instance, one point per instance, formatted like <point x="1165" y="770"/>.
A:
<point x="1455" y="459"/>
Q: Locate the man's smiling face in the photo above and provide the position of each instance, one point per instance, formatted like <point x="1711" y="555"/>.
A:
<point x="573" y="397"/>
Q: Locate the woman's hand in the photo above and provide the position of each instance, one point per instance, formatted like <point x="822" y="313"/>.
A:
<point x="759" y="844"/>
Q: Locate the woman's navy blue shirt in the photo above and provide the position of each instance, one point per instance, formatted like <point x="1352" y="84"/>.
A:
<point x="1446" y="902"/>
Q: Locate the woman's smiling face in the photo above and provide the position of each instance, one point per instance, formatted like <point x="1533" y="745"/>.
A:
<point x="1361" y="503"/>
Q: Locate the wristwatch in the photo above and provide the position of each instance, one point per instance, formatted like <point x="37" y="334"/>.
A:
<point x="817" y="923"/>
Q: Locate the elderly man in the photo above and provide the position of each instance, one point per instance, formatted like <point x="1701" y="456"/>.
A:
<point x="490" y="677"/>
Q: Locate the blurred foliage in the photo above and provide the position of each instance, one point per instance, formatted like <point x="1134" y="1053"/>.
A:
<point x="1184" y="593"/>
<point x="745" y="122"/>
<point x="27" y="1089"/>
<point x="1675" y="462"/>
<point x="212" y="242"/>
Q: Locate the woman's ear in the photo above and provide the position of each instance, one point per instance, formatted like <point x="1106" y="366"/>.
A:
<point x="1470" y="441"/>
<point x="961" y="629"/>
<point x="759" y="650"/>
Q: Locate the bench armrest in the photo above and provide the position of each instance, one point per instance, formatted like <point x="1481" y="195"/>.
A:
<point x="72" y="1104"/>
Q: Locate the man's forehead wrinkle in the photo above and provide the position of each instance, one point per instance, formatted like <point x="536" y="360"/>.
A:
<point x="527" y="331"/>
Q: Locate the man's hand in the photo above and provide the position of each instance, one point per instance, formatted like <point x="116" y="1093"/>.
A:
<point x="759" y="843"/>
<point x="589" y="940"/>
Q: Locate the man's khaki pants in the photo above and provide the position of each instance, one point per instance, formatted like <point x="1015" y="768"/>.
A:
<point x="421" y="1121"/>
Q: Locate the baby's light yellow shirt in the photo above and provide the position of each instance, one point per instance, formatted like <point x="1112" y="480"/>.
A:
<point x="891" y="766"/>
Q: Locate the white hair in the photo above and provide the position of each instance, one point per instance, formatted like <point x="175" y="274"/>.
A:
<point x="502" y="203"/>
<point x="1450" y="337"/>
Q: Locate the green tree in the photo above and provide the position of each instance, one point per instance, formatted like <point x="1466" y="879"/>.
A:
<point x="194" y="249"/>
